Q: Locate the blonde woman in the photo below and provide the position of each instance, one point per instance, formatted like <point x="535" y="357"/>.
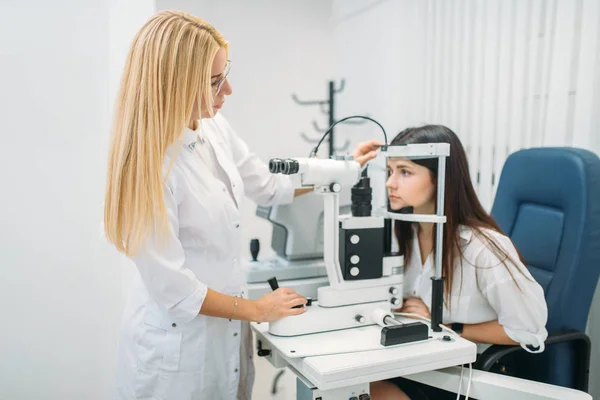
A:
<point x="176" y="175"/>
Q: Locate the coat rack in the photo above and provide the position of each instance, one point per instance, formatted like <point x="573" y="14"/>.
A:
<point x="330" y="111"/>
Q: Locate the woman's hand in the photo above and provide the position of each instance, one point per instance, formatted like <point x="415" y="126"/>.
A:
<point x="415" y="305"/>
<point x="366" y="151"/>
<point x="278" y="304"/>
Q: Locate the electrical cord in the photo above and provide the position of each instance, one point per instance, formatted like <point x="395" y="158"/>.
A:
<point x="462" y="369"/>
<point x="470" y="380"/>
<point x="316" y="149"/>
<point x="462" y="366"/>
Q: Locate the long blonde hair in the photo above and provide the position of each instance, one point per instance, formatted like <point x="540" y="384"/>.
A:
<point x="168" y="67"/>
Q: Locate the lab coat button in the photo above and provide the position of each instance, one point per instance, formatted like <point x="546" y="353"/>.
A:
<point x="235" y="370"/>
<point x="235" y="334"/>
<point x="237" y="225"/>
<point x="174" y="325"/>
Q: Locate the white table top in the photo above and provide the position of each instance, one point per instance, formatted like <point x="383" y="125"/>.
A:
<point x="342" y="358"/>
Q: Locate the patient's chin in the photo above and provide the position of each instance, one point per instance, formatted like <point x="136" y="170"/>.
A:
<point x="397" y="205"/>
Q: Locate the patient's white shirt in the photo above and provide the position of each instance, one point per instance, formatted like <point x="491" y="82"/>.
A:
<point x="483" y="289"/>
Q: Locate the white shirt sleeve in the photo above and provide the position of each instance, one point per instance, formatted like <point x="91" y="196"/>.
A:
<point x="514" y="294"/>
<point x="263" y="187"/>
<point x="160" y="262"/>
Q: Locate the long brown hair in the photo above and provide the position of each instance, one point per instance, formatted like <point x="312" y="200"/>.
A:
<point x="461" y="205"/>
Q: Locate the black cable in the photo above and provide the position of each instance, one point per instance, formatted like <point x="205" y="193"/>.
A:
<point x="275" y="380"/>
<point x="316" y="149"/>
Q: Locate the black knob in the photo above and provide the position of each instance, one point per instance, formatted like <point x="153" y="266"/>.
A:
<point x="254" y="248"/>
<point x="335" y="187"/>
<point x="275" y="165"/>
<point x="273" y="283"/>
<point x="308" y="303"/>
<point x="264" y="353"/>
<point x="362" y="197"/>
<point x="290" y="166"/>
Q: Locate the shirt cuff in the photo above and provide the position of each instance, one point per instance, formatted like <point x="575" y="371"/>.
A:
<point x="285" y="193"/>
<point x="531" y="342"/>
<point x="189" y="308"/>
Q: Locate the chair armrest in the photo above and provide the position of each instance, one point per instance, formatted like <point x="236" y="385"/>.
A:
<point x="494" y="353"/>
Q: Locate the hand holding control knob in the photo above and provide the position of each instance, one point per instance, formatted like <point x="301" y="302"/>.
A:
<point x="275" y="285"/>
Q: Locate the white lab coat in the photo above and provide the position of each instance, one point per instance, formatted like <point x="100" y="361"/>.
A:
<point x="167" y="350"/>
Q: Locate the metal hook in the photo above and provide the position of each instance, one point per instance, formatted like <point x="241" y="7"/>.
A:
<point x="307" y="103"/>
<point x="342" y="85"/>
<point x="317" y="127"/>
<point x="309" y="140"/>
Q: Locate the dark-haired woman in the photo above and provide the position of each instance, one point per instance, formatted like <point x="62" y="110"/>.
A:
<point x="489" y="295"/>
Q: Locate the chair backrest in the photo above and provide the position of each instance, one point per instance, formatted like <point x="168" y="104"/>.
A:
<point x="548" y="203"/>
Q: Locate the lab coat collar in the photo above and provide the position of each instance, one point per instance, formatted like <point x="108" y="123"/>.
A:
<point x="191" y="138"/>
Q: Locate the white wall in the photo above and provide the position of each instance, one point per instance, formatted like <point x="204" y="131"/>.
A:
<point x="61" y="285"/>
<point x="59" y="300"/>
<point x="379" y="48"/>
<point x="512" y="74"/>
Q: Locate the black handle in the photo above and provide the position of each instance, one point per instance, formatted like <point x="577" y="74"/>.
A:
<point x="437" y="303"/>
<point x="254" y="248"/>
<point x="274" y="286"/>
<point x="273" y="283"/>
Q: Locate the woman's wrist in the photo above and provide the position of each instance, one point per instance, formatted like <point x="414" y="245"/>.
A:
<point x="251" y="311"/>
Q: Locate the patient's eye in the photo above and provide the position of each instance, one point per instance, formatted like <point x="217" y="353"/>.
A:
<point x="404" y="172"/>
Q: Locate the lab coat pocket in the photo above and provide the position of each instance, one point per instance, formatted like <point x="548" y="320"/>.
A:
<point x="159" y="344"/>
